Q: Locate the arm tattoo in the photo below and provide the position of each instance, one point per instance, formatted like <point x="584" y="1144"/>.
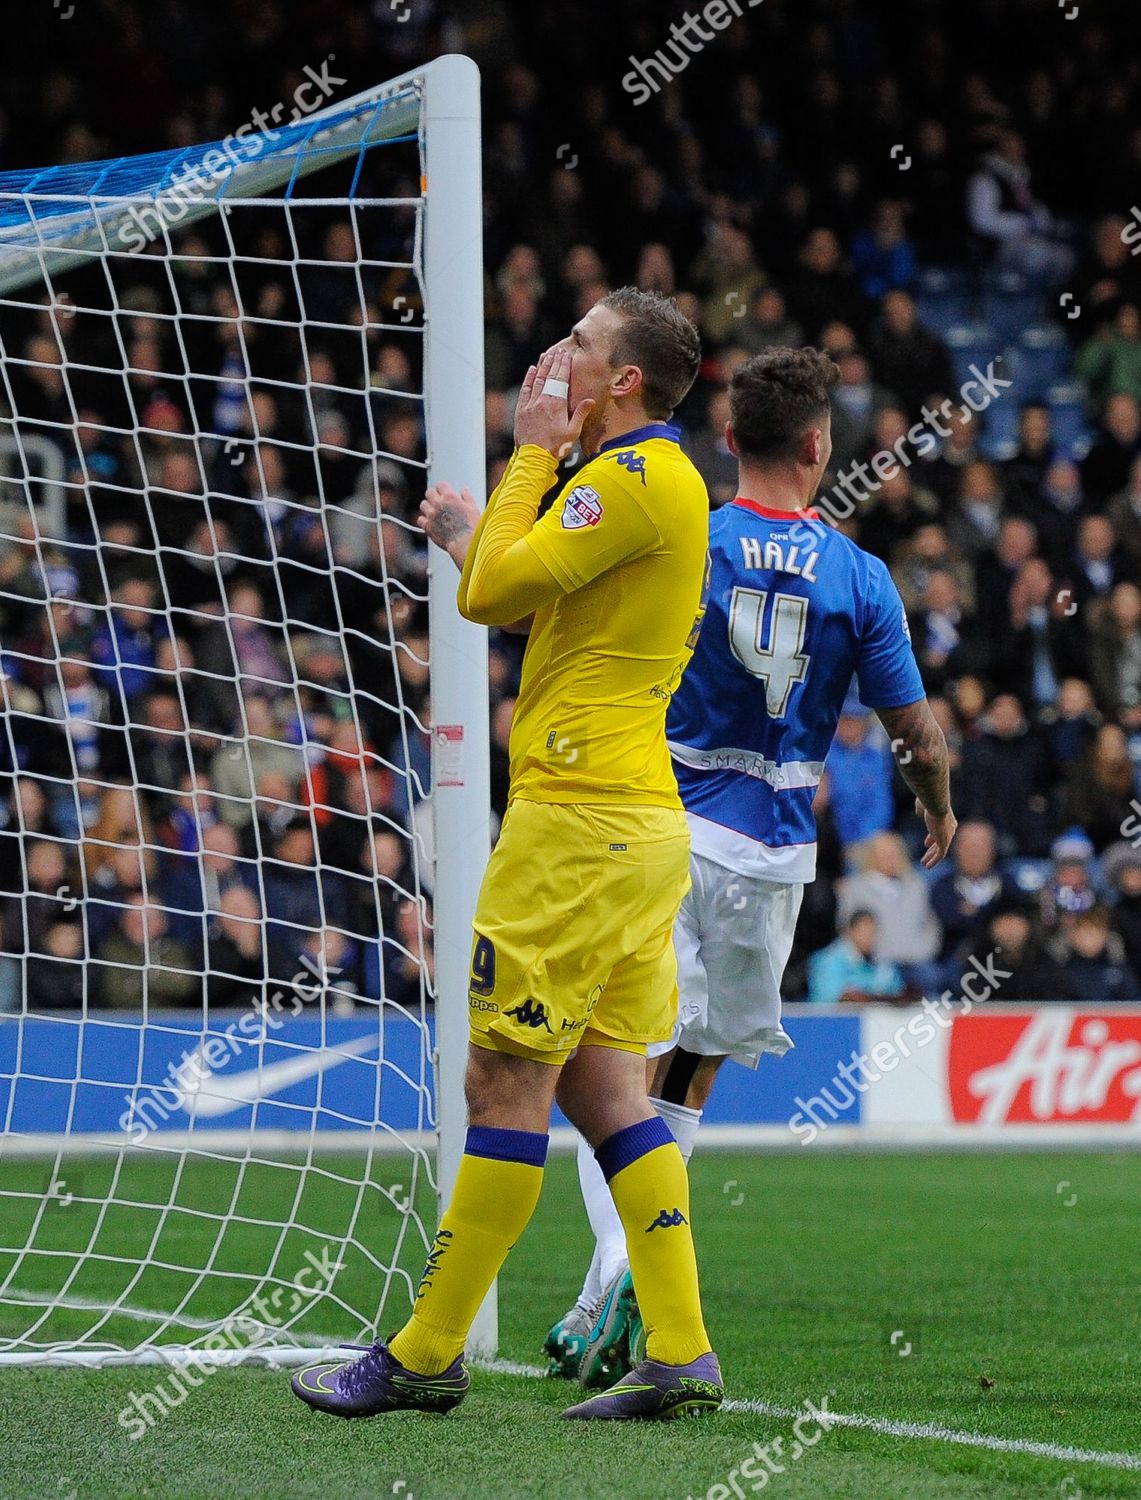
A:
<point x="920" y="752"/>
<point x="449" y="526"/>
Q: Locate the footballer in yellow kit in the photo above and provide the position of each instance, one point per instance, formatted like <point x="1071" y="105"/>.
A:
<point x="573" y="971"/>
<point x="574" y="927"/>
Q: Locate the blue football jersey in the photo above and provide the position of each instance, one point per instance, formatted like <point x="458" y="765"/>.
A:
<point x="794" y="611"/>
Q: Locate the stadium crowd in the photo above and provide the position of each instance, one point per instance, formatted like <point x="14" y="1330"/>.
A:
<point x="214" y="664"/>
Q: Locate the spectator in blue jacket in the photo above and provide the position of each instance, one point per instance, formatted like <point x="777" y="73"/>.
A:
<point x="1093" y="960"/>
<point x="964" y="893"/>
<point x="124" y="646"/>
<point x="847" y="971"/>
<point x="298" y="901"/>
<point x="860" y="772"/>
<point x="883" y="258"/>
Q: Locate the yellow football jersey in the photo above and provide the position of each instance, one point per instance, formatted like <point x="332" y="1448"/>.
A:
<point x="626" y="538"/>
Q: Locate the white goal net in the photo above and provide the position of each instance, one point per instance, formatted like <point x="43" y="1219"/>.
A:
<point x="243" y="785"/>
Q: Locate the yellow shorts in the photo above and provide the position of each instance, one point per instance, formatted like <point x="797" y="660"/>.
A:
<point x="574" y="929"/>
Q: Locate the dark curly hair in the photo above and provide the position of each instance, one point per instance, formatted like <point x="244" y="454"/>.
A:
<point x="775" y="397"/>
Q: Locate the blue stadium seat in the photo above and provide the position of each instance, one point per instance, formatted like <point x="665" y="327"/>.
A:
<point x="1010" y="304"/>
<point x="1072" y="435"/>
<point x="1039" y="360"/>
<point x="970" y="344"/>
<point x="999" y="440"/>
<point x="944" y="299"/>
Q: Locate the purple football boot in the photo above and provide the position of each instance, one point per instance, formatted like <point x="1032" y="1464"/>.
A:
<point x="376" y="1383"/>
<point x="653" y="1391"/>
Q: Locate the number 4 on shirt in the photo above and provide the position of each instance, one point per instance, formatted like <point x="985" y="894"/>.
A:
<point x="782" y="663"/>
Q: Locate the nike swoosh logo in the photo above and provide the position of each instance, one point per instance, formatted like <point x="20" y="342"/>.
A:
<point x="212" y="1095"/>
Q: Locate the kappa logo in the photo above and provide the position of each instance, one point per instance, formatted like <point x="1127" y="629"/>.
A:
<point x="440" y="1243"/>
<point x="476" y="1003"/>
<point x="634" y="461"/>
<point x="582" y="507"/>
<point x="668" y="1220"/>
<point x="532" y="1013"/>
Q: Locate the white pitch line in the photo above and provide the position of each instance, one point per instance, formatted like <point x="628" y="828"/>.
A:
<point x="152" y="1315"/>
<point x="886" y="1427"/>
<point x="86" y="1304"/>
<point x="883" y="1426"/>
<point x="509" y="1367"/>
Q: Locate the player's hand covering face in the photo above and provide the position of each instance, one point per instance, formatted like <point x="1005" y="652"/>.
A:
<point x="543" y="416"/>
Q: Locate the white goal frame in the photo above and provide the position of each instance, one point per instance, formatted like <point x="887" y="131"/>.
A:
<point x="448" y="114"/>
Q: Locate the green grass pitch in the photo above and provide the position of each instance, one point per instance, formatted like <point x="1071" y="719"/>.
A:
<point x="1017" y="1303"/>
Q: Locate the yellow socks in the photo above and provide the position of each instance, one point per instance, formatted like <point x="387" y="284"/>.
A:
<point x="495" y="1195"/>
<point x="497" y="1188"/>
<point x="650" y="1188"/>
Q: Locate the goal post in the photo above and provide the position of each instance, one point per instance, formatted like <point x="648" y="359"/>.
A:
<point x="242" y="1183"/>
<point x="453" y="268"/>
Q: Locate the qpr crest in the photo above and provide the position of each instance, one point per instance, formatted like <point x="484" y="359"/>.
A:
<point x="582" y="507"/>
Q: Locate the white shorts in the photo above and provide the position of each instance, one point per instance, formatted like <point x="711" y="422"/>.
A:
<point x="733" y="937"/>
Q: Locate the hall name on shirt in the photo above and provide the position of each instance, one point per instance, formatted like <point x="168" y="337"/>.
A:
<point x="776" y="558"/>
